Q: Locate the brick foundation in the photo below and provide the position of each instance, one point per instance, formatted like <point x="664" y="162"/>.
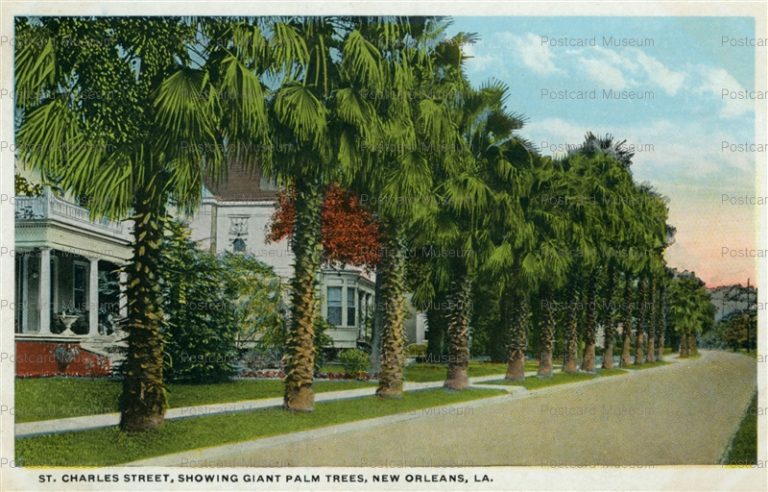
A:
<point x="45" y="358"/>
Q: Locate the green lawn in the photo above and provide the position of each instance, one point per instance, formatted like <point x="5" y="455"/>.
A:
<point x="533" y="382"/>
<point x="743" y="448"/>
<point x="108" y="446"/>
<point x="427" y="372"/>
<point x="421" y="373"/>
<point x="54" y="398"/>
<point x="647" y="365"/>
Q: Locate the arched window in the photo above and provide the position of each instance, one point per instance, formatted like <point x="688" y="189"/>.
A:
<point x="238" y="245"/>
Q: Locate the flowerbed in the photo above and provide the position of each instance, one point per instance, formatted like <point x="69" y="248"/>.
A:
<point x="280" y="374"/>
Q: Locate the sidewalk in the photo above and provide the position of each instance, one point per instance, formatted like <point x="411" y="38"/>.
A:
<point x="88" y="422"/>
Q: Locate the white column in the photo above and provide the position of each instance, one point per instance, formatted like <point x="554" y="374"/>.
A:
<point x="93" y="298"/>
<point x="25" y="292"/>
<point x="44" y="292"/>
<point x="123" y="299"/>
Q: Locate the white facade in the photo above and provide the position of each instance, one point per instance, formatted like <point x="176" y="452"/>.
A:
<point x="241" y="226"/>
<point x="63" y="259"/>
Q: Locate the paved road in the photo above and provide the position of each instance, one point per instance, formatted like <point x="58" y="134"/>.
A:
<point x="683" y="413"/>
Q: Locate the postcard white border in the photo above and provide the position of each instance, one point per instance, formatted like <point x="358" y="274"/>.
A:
<point x="505" y="478"/>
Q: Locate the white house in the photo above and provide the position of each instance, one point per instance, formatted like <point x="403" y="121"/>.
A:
<point x="64" y="263"/>
<point x="68" y="288"/>
<point x="234" y="216"/>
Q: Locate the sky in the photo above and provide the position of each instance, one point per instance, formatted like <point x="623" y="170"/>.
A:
<point x="564" y="75"/>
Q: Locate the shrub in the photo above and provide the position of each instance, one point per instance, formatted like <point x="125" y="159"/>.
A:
<point x="416" y="350"/>
<point x="201" y="318"/>
<point x="259" y="299"/>
<point x="354" y="361"/>
<point x="323" y="341"/>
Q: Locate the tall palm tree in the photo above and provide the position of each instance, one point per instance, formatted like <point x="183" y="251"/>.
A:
<point x="690" y="309"/>
<point x="662" y="319"/>
<point x="641" y="326"/>
<point x="652" y="318"/>
<point x="321" y="111"/>
<point x="606" y="184"/>
<point x="552" y="257"/>
<point x="421" y="70"/>
<point x="468" y="187"/>
<point x="134" y="117"/>
<point x="654" y="239"/>
<point x="626" y="320"/>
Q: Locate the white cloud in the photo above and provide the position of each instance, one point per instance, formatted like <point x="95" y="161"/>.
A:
<point x="629" y="68"/>
<point x="479" y="61"/>
<point x="659" y="74"/>
<point x="531" y="52"/>
<point x="714" y="81"/>
<point x="614" y="58"/>
<point x="605" y="73"/>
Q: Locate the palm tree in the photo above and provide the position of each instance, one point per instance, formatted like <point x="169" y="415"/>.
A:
<point x="626" y="320"/>
<point x="662" y="320"/>
<point x="690" y="309"/>
<point x="321" y="111"/>
<point x="421" y="70"/>
<point x="655" y="238"/>
<point x="652" y="318"/>
<point x="160" y="121"/>
<point x="468" y="187"/>
<point x="552" y="256"/>
<point x="570" y="356"/>
<point x="605" y="182"/>
<point x="641" y="319"/>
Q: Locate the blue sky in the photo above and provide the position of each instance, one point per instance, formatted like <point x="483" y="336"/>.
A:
<point x="678" y="121"/>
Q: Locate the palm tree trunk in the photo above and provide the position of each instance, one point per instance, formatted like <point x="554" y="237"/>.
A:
<point x="652" y="320"/>
<point x="641" y="321"/>
<point x="570" y="363"/>
<point x="547" y="331"/>
<point x="458" y="331"/>
<point x="692" y="347"/>
<point x="392" y="271"/>
<point x="590" y="329"/>
<point x="378" y="323"/>
<point x="517" y="316"/>
<point x="684" y="345"/>
<point x="300" y="348"/>
<point x="143" y="399"/>
<point x="436" y="323"/>
<point x="609" y="328"/>
<point x="661" y="324"/>
<point x="626" y="322"/>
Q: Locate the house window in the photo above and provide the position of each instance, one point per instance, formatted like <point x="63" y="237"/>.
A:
<point x="80" y="284"/>
<point x="351" y="306"/>
<point x="238" y="245"/>
<point x="334" y="305"/>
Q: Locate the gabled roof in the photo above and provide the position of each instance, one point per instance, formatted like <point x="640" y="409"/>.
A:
<point x="242" y="183"/>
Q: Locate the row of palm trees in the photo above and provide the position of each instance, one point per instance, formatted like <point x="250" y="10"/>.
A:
<point x="136" y="112"/>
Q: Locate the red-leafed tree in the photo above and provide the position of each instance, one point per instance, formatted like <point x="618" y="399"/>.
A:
<point x="350" y="232"/>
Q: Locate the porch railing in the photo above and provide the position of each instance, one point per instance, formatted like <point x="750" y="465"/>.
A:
<point x="49" y="207"/>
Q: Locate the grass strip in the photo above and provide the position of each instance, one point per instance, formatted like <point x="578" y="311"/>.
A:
<point x="109" y="446"/>
<point x="743" y="447"/>
<point x="558" y="378"/>
<point x="55" y="398"/>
